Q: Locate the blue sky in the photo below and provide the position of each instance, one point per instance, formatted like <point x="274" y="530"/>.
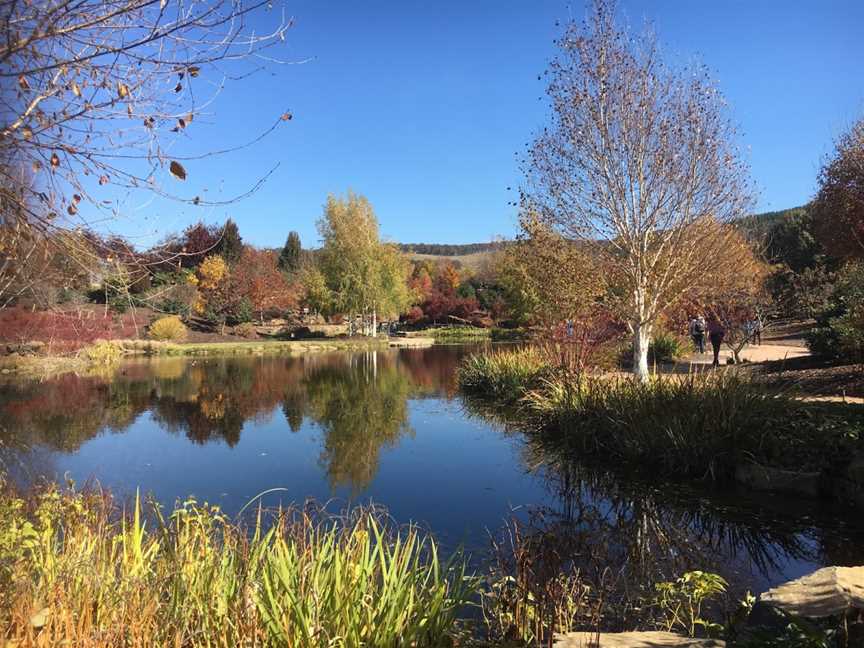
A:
<point x="423" y="106"/>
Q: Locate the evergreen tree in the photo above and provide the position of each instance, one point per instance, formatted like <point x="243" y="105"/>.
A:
<point x="231" y="245"/>
<point x="289" y="258"/>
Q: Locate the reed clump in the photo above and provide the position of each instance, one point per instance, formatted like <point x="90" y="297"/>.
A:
<point x="504" y="376"/>
<point x="693" y="425"/>
<point x="76" y="571"/>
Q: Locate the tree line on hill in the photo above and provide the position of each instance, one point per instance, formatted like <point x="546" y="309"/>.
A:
<point x="449" y="249"/>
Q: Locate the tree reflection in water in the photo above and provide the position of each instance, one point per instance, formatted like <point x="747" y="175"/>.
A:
<point x="357" y="405"/>
<point x="359" y="402"/>
<point x="620" y="536"/>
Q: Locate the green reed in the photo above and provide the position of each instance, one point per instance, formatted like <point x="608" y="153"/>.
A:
<point x="502" y="375"/>
<point x="76" y="571"/>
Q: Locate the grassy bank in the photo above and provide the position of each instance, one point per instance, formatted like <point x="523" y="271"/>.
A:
<point x="103" y="354"/>
<point x="468" y="334"/>
<point x="696" y="425"/>
<point x="75" y="571"/>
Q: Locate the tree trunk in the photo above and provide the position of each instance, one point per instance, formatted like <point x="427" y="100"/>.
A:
<point x="374" y="323"/>
<point x="641" y="340"/>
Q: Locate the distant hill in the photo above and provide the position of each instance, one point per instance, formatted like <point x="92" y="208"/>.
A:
<point x="447" y="249"/>
<point x="757" y="226"/>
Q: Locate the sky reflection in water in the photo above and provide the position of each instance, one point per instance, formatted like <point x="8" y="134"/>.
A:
<point x="386" y="426"/>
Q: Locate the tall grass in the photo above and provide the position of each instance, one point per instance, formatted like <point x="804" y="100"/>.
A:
<point x="695" y="425"/>
<point x="502" y="375"/>
<point x="75" y="572"/>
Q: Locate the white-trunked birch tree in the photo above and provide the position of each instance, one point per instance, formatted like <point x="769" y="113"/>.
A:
<point x="362" y="275"/>
<point x="641" y="163"/>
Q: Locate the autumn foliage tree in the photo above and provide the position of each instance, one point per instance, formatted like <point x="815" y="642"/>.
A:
<point x="641" y="165"/>
<point x="256" y="277"/>
<point x="548" y="278"/>
<point x="839" y="203"/>
<point x="363" y="275"/>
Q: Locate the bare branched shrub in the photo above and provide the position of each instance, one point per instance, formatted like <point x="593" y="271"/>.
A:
<point x="95" y="94"/>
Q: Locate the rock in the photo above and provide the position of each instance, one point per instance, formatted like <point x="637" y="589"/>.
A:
<point x="826" y="592"/>
<point x="776" y="479"/>
<point x="633" y="640"/>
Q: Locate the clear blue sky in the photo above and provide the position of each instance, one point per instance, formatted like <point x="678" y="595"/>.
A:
<point x="422" y="107"/>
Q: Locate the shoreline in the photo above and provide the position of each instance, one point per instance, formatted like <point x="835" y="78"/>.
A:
<point x="45" y="366"/>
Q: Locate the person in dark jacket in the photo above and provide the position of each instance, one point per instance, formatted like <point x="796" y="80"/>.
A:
<point x="697" y="333"/>
<point x="716" y="333"/>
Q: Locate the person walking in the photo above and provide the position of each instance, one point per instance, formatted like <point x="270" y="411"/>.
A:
<point x="697" y="333"/>
<point x="716" y="333"/>
<point x="757" y="329"/>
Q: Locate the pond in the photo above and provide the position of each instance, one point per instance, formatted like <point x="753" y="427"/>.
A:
<point x="390" y="427"/>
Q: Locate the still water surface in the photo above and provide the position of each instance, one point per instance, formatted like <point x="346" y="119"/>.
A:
<point x="389" y="427"/>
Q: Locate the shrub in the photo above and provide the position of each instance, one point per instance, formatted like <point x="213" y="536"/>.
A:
<point x="170" y="328"/>
<point x="664" y="348"/>
<point x="840" y="333"/>
<point x="243" y="313"/>
<point x="64" y="330"/>
<point x="119" y="303"/>
<point x="102" y="352"/>
<point x="246" y="330"/>
<point x="175" y="307"/>
<point x="304" y="579"/>
<point x="667" y="347"/>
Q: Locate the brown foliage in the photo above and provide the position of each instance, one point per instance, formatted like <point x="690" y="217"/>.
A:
<point x="839" y="203"/>
<point x="257" y="277"/>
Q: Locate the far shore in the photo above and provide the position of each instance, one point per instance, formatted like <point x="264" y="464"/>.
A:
<point x="32" y="365"/>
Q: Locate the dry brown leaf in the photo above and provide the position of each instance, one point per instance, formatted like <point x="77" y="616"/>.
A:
<point x="55" y="160"/>
<point x="177" y="170"/>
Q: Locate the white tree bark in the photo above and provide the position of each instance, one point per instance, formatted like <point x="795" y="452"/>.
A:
<point x="641" y="341"/>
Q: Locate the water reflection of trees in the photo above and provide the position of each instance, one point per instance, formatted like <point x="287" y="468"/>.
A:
<point x="361" y="412"/>
<point x="359" y="401"/>
<point x="674" y="526"/>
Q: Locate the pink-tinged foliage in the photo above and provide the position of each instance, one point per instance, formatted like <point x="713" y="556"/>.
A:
<point x="66" y="330"/>
<point x="577" y="345"/>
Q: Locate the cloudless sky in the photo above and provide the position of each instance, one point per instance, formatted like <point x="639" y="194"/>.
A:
<point x="422" y="107"/>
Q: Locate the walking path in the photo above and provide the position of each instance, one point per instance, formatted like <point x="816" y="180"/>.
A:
<point x="758" y="353"/>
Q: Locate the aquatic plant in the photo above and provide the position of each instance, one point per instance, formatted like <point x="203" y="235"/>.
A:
<point x="681" y="602"/>
<point x="76" y="570"/>
<point x="502" y="375"/>
<point x="697" y="425"/>
<point x="701" y="424"/>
